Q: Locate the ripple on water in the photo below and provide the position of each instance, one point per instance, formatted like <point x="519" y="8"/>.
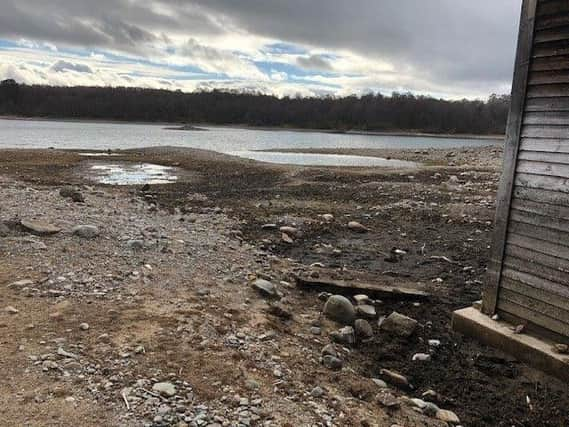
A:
<point x="132" y="173"/>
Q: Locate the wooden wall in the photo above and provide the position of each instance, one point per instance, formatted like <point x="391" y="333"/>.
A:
<point x="530" y="264"/>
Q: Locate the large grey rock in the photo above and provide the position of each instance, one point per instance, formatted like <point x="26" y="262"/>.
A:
<point x="266" y="289"/>
<point x="340" y="309"/>
<point x="86" y="231"/>
<point x="165" y="389"/>
<point x="399" y="324"/>
<point x="363" y="329"/>
<point x="39" y="227"/>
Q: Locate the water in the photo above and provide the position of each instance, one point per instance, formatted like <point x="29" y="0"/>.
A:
<point x="132" y="173"/>
<point x="241" y="142"/>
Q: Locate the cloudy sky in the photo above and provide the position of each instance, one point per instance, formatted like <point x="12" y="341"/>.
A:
<point x="447" y="48"/>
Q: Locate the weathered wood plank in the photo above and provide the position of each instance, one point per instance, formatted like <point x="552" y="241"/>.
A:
<point x="549" y="235"/>
<point x="553" y="34"/>
<point x="535" y="304"/>
<point x="548" y="91"/>
<point x="543" y="168"/>
<point x="545" y="145"/>
<point x="547" y="104"/>
<point x="542" y="196"/>
<point x="553" y="21"/>
<point x="539" y="156"/>
<point x="545" y="219"/>
<point x="549" y="132"/>
<point x="513" y="132"/>
<point x="547" y="117"/>
<point x="536" y="317"/>
<point x="531" y="266"/>
<point x="540" y="208"/>
<point x="537" y="245"/>
<point x="551" y="8"/>
<point x="551" y="183"/>
<point x="550" y="63"/>
<point x="557" y="289"/>
<point x="548" y="77"/>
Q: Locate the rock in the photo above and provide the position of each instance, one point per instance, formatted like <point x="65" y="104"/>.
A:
<point x="447" y="416"/>
<point x="328" y="217"/>
<point x="561" y="348"/>
<point x="165" y="389"/>
<point x="340" y="309"/>
<point x="357" y="227"/>
<point x="291" y="231"/>
<point x="84" y="326"/>
<point x="21" y="283"/>
<point x="363" y="329"/>
<point x="48" y="365"/>
<point x="399" y="325"/>
<point x="61" y="352"/>
<point x="279" y="310"/>
<point x="269" y="226"/>
<point x="367" y="311"/>
<point x="361" y="299"/>
<point x="315" y="330"/>
<point x="388" y="400"/>
<point x="40" y="227"/>
<point x="266" y="289"/>
<point x="286" y="238"/>
<point x="421" y="357"/>
<point x="395" y="378"/>
<point x="86" y="231"/>
<point x="345" y="336"/>
<point x="329" y="350"/>
<point x="11" y="310"/>
<point x="135" y="244"/>
<point x="317" y="392"/>
<point x="333" y="363"/>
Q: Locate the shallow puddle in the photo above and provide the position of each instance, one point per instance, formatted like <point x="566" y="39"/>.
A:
<point x="132" y="173"/>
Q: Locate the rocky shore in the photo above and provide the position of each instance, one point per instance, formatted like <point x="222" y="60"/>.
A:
<point x="216" y="300"/>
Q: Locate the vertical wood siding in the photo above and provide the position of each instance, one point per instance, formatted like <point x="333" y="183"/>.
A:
<point x="530" y="265"/>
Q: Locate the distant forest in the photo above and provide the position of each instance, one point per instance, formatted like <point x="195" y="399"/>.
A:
<point x="373" y="112"/>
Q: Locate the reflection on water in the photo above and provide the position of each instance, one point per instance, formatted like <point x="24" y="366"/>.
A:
<point x="307" y="159"/>
<point x="132" y="174"/>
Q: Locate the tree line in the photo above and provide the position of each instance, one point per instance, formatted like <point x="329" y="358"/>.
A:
<point x="373" y="112"/>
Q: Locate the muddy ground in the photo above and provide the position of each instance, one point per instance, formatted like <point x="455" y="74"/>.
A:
<point x="444" y="209"/>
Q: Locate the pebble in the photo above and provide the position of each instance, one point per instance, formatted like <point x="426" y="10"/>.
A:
<point x="447" y="416"/>
<point x="11" y="310"/>
<point x="333" y="363"/>
<point x="40" y="227"/>
<point x="317" y="392"/>
<point x="367" y="311"/>
<point x="362" y="299"/>
<point x="380" y="383"/>
<point x="394" y="378"/>
<point x="340" y="309"/>
<point x="165" y="389"/>
<point x="266" y="289"/>
<point x="421" y="357"/>
<point x="86" y="231"/>
<point x="357" y="227"/>
<point x="84" y="326"/>
<point x="345" y="336"/>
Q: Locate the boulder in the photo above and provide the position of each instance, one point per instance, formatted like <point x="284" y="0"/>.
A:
<point x="340" y="309"/>
<point x="399" y="324"/>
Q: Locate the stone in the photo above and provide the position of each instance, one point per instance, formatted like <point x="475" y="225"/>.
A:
<point x="380" y="383"/>
<point x="21" y="283"/>
<point x="86" y="231"/>
<point x="84" y="326"/>
<point x="317" y="392"/>
<point x="561" y="348"/>
<point x="328" y="217"/>
<point x="447" y="416"/>
<point x="266" y="289"/>
<point x="291" y="231"/>
<point x="395" y="378"/>
<point x="398" y="324"/>
<point x="362" y="299"/>
<point x="363" y="329"/>
<point x="40" y="227"/>
<point x="367" y="311"/>
<point x="421" y="357"/>
<point x="279" y="310"/>
<point x="357" y="227"/>
<point x="345" y="336"/>
<point x="135" y="244"/>
<point x="333" y="363"/>
<point x="11" y="310"/>
<point x="61" y="352"/>
<point x="329" y="350"/>
<point x="165" y="389"/>
<point x="315" y="330"/>
<point x="340" y="309"/>
<point x="388" y="400"/>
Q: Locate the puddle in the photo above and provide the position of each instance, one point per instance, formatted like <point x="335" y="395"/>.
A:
<point x="307" y="159"/>
<point x="132" y="173"/>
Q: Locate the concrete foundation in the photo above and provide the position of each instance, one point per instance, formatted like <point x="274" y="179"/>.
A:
<point x="535" y="351"/>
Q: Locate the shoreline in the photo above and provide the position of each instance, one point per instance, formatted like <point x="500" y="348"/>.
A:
<point x="263" y="128"/>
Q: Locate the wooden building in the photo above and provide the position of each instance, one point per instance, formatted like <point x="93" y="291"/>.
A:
<point x="529" y="282"/>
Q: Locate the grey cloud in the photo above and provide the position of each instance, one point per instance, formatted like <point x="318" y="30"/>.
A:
<point x="61" y="66"/>
<point x="314" y="62"/>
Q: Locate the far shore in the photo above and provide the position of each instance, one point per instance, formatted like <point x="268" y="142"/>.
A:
<point x="195" y="127"/>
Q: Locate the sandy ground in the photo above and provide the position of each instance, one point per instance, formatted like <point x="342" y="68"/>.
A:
<point x="163" y="294"/>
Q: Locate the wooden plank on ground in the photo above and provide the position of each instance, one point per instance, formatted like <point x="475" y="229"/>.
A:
<point x="375" y="290"/>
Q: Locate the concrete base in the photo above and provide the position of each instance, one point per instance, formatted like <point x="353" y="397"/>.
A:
<point x="536" y="352"/>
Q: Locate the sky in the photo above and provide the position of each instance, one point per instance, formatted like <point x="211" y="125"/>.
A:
<point x="444" y="48"/>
